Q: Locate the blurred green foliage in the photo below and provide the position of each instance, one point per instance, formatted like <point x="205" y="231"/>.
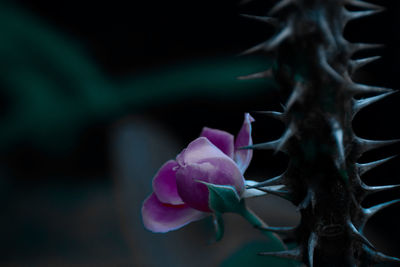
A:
<point x="50" y="89"/>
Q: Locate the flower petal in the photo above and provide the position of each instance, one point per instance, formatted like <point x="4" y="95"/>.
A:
<point x="164" y="184"/>
<point x="198" y="150"/>
<point x="221" y="139"/>
<point x="160" y="218"/>
<point x="243" y="157"/>
<point x="200" y="163"/>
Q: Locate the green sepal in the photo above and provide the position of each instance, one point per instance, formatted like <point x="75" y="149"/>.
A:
<point x="224" y="198"/>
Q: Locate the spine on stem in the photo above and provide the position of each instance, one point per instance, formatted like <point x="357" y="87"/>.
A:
<point x="314" y="69"/>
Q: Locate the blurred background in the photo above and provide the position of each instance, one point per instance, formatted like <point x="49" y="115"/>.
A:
<point x="95" y="97"/>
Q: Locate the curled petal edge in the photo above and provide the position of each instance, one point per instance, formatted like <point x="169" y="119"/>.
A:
<point x="164" y="184"/>
<point x="221" y="139"/>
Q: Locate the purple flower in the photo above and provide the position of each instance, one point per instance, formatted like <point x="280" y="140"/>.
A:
<point x="179" y="198"/>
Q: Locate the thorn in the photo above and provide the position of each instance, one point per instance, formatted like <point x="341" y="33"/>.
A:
<point x="359" y="63"/>
<point x="362" y="4"/>
<point x="283" y="107"/>
<point x="256" y="192"/>
<point x="362" y="103"/>
<point x="255" y="48"/>
<point x="365" y="167"/>
<point x="273" y="114"/>
<point x="273" y="181"/>
<point x="280" y="37"/>
<point x="271" y="43"/>
<point x="352" y="15"/>
<point x="258" y="75"/>
<point x="297" y="95"/>
<point x="294" y="254"/>
<point x="326" y="29"/>
<point x="365" y="145"/>
<point x="356" y="47"/>
<point x="325" y="65"/>
<point x="280" y="5"/>
<point x="337" y="133"/>
<point x="277" y="145"/>
<point x="312" y="243"/>
<point x="270" y="20"/>
<point x="285" y="138"/>
<point x="277" y="192"/>
<point x="369" y="190"/>
<point x="374" y="209"/>
<point x="361" y="193"/>
<point x="378" y="257"/>
<point x="357" y="88"/>
<point x="370" y="212"/>
<point x="272" y="145"/>
<point x="356" y="234"/>
<point x="310" y="198"/>
<point x="279" y="230"/>
<point x="375" y="189"/>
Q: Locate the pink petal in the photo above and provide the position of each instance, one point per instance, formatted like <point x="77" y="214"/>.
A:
<point x="243" y="157"/>
<point x="160" y="218"/>
<point x="221" y="139"/>
<point x="164" y="184"/>
<point x="198" y="150"/>
<point x="203" y="161"/>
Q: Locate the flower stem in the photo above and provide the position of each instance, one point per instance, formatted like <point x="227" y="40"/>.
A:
<point x="258" y="223"/>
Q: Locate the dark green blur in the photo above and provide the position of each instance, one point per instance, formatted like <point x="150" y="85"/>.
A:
<point x="50" y="89"/>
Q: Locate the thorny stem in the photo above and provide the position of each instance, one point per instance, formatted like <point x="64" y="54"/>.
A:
<point x="313" y="67"/>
